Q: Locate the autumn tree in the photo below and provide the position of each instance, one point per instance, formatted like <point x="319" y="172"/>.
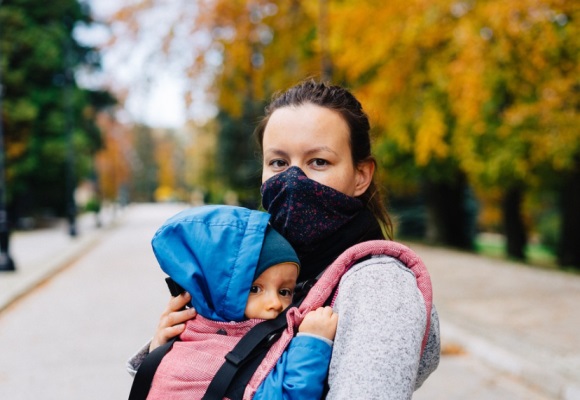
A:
<point x="518" y="112"/>
<point x="170" y="161"/>
<point x="478" y="92"/>
<point x="117" y="160"/>
<point x="146" y="175"/>
<point x="200" y="160"/>
<point x="242" y="52"/>
<point x="402" y="81"/>
<point x="466" y="97"/>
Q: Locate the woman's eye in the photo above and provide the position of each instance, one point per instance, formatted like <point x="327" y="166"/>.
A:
<point x="254" y="289"/>
<point x="285" y="292"/>
<point x="277" y="163"/>
<point x="319" y="162"/>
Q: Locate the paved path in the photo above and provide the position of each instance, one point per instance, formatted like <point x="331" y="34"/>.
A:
<point x="519" y="319"/>
<point x="508" y="331"/>
<point x="39" y="254"/>
<point x="69" y="338"/>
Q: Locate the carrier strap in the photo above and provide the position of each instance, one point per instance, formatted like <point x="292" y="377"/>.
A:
<point x="144" y="376"/>
<point x="253" y="344"/>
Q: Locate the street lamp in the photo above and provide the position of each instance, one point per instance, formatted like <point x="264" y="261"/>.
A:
<point x="71" y="209"/>
<point x="6" y="262"/>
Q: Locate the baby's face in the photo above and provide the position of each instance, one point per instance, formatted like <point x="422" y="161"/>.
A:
<point x="272" y="292"/>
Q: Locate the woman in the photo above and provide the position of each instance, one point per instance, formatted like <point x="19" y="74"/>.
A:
<point x="318" y="185"/>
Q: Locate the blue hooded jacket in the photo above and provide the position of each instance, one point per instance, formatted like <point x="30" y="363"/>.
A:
<point x="212" y="252"/>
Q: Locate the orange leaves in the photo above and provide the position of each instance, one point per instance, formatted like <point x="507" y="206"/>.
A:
<point x="448" y="80"/>
<point x="111" y="161"/>
<point x="128" y="15"/>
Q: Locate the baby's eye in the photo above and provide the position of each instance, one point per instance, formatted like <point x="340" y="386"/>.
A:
<point x="254" y="289"/>
<point x="286" y="292"/>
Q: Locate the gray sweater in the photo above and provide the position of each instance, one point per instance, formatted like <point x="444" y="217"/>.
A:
<point x="381" y="324"/>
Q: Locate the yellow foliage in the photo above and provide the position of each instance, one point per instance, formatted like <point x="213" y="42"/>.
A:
<point x="164" y="193"/>
<point x="164" y="155"/>
<point x="430" y="139"/>
<point x="499" y="72"/>
<point x="15" y="149"/>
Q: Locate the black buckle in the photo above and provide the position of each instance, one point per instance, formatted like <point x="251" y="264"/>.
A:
<point x="302" y="289"/>
<point x="234" y="358"/>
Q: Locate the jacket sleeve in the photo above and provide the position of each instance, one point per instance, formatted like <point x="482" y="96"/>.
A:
<point x="136" y="360"/>
<point x="381" y="323"/>
<point x="300" y="373"/>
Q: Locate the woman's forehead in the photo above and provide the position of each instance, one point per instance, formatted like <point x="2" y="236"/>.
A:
<point x="313" y="125"/>
<point x="307" y="112"/>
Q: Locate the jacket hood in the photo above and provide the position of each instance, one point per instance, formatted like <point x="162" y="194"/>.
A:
<point x="212" y="252"/>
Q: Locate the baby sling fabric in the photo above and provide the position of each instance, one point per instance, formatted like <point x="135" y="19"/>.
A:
<point x="187" y="370"/>
<point x="324" y="288"/>
<point x="317" y="296"/>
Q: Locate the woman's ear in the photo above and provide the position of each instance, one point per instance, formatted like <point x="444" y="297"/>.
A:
<point x="364" y="176"/>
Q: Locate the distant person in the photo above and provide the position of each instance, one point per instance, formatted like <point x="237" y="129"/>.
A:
<point x="238" y="271"/>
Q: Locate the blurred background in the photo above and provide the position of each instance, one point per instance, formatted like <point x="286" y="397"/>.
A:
<point x="116" y="114"/>
<point x="475" y="107"/>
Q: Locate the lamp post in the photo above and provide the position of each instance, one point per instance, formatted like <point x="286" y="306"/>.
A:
<point x="6" y="262"/>
<point x="71" y="208"/>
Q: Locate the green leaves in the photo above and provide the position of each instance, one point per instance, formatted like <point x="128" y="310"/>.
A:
<point x="39" y="105"/>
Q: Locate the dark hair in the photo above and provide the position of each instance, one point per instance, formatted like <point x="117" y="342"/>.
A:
<point x="344" y="103"/>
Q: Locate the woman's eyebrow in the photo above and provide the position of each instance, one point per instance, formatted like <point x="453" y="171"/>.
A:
<point x="320" y="149"/>
<point x="276" y="152"/>
<point x="309" y="152"/>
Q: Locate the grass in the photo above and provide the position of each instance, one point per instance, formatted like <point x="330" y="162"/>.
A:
<point x="494" y="246"/>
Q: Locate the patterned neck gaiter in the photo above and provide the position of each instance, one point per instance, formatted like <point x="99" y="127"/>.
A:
<point x="305" y="211"/>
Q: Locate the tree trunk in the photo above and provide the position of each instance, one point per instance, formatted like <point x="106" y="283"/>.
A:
<point x="514" y="227"/>
<point x="569" y="244"/>
<point x="450" y="215"/>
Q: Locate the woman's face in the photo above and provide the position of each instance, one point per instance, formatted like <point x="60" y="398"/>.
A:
<point x="317" y="140"/>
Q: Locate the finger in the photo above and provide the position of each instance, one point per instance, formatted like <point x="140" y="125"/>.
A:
<point x="179" y="317"/>
<point x="178" y="302"/>
<point x="164" y="335"/>
<point x="173" y="331"/>
<point x="325" y="311"/>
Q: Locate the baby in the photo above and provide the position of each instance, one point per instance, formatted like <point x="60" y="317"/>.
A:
<point x="238" y="271"/>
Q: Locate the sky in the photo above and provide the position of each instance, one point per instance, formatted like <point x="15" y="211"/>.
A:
<point x="155" y="93"/>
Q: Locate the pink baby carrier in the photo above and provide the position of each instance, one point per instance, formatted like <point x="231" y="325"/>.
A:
<point x="236" y="348"/>
<point x="194" y="360"/>
<point x="324" y="288"/>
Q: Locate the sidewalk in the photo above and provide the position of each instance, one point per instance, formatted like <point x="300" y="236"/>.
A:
<point x="517" y="319"/>
<point x="41" y="253"/>
<point x="521" y="320"/>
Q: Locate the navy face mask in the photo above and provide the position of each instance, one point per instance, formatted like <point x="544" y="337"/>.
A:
<point x="305" y="211"/>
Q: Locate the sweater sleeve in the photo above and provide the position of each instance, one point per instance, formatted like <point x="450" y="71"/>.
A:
<point x="432" y="352"/>
<point x="136" y="359"/>
<point x="300" y="373"/>
<point x="381" y="323"/>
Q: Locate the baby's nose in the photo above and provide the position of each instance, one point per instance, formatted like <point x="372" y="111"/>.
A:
<point x="274" y="302"/>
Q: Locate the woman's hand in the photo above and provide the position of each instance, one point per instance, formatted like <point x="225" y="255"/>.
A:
<point x="321" y="322"/>
<point x="172" y="321"/>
